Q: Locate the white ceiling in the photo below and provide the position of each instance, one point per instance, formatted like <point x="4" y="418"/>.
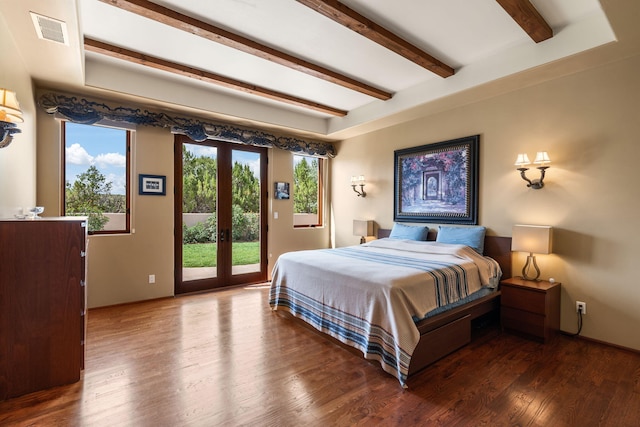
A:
<point x="477" y="38"/>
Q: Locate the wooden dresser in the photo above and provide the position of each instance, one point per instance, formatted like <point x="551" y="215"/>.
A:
<point x="42" y="303"/>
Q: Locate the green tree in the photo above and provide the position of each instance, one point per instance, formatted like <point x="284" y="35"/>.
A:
<point x="199" y="193"/>
<point x="115" y="203"/>
<point x="88" y="196"/>
<point x="305" y="181"/>
<point x="245" y="188"/>
<point x="199" y="183"/>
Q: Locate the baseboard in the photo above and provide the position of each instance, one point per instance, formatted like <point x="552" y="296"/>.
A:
<point x="608" y="344"/>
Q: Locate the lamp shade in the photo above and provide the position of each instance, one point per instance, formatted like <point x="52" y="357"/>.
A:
<point x="522" y="160"/>
<point x="532" y="238"/>
<point x="357" y="180"/>
<point x="9" y="107"/>
<point x="542" y="158"/>
<point x="362" y="228"/>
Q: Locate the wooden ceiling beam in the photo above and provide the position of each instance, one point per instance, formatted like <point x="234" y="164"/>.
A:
<point x="528" y="17"/>
<point x="191" y="25"/>
<point x="205" y="76"/>
<point x="351" y="19"/>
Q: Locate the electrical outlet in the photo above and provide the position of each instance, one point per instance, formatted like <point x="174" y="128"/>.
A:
<point x="152" y="278"/>
<point x="581" y="307"/>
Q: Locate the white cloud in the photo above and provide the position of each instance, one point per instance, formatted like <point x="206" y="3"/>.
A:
<point x="77" y="155"/>
<point x="203" y="150"/>
<point x="255" y="167"/>
<point x="119" y="183"/>
<point x="110" y="159"/>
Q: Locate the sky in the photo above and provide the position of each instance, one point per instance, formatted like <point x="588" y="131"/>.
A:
<point x="102" y="147"/>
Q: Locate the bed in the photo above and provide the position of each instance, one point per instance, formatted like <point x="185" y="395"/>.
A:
<point x="403" y="303"/>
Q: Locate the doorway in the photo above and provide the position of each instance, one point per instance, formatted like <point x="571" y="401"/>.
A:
<point x="220" y="215"/>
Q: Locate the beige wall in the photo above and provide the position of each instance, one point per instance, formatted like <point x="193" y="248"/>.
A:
<point x="17" y="161"/>
<point x="588" y="122"/>
<point x="283" y="237"/>
<point x="119" y="265"/>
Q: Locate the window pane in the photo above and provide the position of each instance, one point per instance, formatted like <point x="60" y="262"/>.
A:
<point x="307" y="191"/>
<point x="96" y="176"/>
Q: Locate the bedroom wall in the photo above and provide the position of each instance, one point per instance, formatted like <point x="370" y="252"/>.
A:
<point x="119" y="265"/>
<point x="588" y="123"/>
<point x="17" y="161"/>
<point x="282" y="236"/>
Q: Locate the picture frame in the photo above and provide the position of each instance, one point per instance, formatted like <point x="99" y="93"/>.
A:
<point x="437" y="183"/>
<point x="281" y="191"/>
<point x="152" y="185"/>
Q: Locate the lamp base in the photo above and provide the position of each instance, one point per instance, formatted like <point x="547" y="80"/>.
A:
<point x="536" y="184"/>
<point x="527" y="274"/>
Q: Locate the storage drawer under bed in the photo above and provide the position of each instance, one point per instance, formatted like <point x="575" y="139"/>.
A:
<point x="439" y="342"/>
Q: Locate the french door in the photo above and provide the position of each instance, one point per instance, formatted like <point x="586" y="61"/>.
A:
<point x="220" y="215"/>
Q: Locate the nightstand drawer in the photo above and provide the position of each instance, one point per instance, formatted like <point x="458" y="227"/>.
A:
<point x="522" y="321"/>
<point x="523" y="299"/>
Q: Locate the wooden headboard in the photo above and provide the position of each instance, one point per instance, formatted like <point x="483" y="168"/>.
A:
<point x="496" y="247"/>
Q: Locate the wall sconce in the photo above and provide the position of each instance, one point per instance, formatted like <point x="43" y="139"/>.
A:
<point x="363" y="229"/>
<point x="358" y="180"/>
<point x="542" y="159"/>
<point x="10" y="114"/>
<point x="533" y="239"/>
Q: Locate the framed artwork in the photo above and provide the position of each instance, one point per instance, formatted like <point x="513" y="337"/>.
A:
<point x="281" y="190"/>
<point x="437" y="182"/>
<point x="152" y="185"/>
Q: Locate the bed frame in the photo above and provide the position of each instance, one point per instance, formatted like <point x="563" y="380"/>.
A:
<point x="446" y="332"/>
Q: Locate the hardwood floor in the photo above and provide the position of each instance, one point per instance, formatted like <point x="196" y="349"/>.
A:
<point x="225" y="359"/>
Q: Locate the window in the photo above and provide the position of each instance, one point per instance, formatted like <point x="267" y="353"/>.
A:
<point x="96" y="176"/>
<point x="307" y="191"/>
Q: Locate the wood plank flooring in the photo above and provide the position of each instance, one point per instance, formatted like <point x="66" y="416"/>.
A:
<point x="224" y="359"/>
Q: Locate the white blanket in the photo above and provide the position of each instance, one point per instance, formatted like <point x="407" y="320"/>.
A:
<point x="368" y="295"/>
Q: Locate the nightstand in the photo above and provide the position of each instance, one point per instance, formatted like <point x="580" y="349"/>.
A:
<point x="530" y="307"/>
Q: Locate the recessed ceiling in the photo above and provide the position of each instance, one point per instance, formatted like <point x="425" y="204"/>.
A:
<point x="124" y="46"/>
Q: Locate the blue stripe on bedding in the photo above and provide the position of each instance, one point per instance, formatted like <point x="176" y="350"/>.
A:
<point x="450" y="279"/>
<point x="352" y="330"/>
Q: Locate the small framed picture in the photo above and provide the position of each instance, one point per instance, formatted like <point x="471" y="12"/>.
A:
<point x="152" y="185"/>
<point x="281" y="190"/>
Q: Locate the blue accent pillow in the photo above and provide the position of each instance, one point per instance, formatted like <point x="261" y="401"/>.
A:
<point x="411" y="232"/>
<point x="470" y="236"/>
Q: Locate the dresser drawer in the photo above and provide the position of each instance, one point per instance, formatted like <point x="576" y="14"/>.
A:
<point x="522" y="321"/>
<point x="524" y="299"/>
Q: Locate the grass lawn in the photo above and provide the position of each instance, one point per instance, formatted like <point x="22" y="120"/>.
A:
<point x="204" y="254"/>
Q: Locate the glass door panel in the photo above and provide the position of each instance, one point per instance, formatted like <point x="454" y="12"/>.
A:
<point x="245" y="212"/>
<point x="199" y="212"/>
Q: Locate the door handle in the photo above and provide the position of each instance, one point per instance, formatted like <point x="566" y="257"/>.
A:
<point x="222" y="235"/>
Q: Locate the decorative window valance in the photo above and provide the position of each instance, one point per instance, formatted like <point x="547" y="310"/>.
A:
<point x="81" y="110"/>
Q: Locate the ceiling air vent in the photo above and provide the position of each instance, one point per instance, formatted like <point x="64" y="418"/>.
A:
<point x="50" y="29"/>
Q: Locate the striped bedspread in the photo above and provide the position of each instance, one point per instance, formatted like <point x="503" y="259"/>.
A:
<point x="367" y="296"/>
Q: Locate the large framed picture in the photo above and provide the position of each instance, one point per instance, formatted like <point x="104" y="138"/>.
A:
<point x="152" y="185"/>
<point x="437" y="182"/>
